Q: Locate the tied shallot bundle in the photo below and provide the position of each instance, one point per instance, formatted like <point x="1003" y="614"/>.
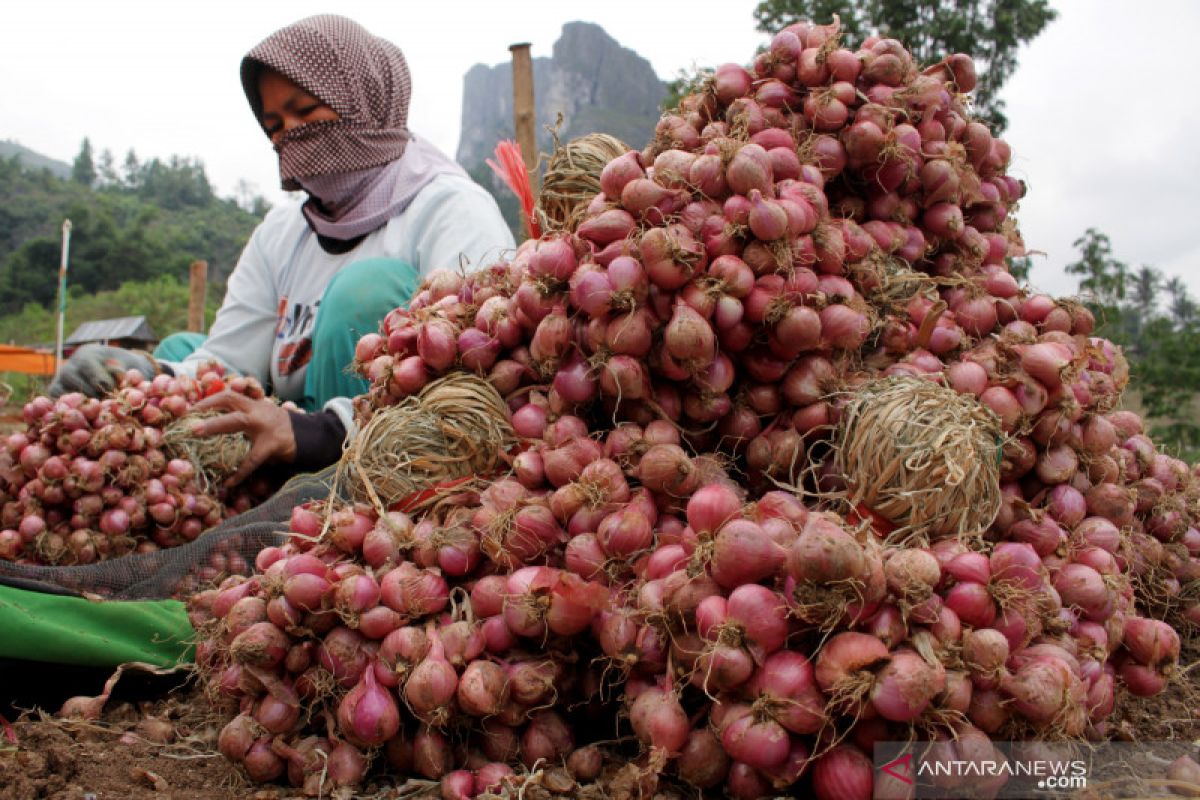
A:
<point x="455" y="427"/>
<point x="923" y="456"/>
<point x="805" y="242"/>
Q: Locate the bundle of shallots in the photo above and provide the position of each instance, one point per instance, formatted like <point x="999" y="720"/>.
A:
<point x="92" y="479"/>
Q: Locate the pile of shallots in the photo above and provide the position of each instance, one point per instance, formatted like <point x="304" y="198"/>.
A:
<point x="638" y="588"/>
<point x="88" y="479"/>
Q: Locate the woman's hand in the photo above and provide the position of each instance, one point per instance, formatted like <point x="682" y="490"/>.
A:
<point x="266" y="425"/>
<point x="94" y="370"/>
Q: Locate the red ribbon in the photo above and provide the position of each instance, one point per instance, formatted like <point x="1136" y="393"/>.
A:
<point x="510" y="167"/>
<point x="9" y="733"/>
<point x="863" y="513"/>
<point x="415" y="499"/>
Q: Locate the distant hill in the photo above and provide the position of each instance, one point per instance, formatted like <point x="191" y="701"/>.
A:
<point x="147" y="225"/>
<point x="34" y="160"/>
<point x="596" y="84"/>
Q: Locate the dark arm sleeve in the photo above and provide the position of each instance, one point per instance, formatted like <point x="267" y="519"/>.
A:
<point x="319" y="438"/>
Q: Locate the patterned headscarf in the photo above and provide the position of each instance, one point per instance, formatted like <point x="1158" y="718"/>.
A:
<point x="351" y="165"/>
<point x="363" y="78"/>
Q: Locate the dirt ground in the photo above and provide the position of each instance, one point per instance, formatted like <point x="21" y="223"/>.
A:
<point x="1173" y="715"/>
<point x="45" y="757"/>
<point x="10" y="419"/>
<point x="110" y="759"/>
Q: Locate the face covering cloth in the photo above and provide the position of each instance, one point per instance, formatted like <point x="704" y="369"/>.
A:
<point x="365" y="167"/>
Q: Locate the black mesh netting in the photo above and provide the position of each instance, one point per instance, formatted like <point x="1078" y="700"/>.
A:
<point x="177" y="572"/>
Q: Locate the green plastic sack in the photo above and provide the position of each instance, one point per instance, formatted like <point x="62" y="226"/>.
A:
<point x="36" y="626"/>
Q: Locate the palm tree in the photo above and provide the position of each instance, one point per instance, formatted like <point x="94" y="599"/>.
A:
<point x="1183" y="308"/>
<point x="1145" y="285"/>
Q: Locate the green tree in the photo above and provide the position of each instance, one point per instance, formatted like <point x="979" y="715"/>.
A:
<point x="83" y="171"/>
<point x="259" y="207"/>
<point x="131" y="171"/>
<point x="24" y="279"/>
<point x="106" y="171"/>
<point x="174" y="184"/>
<point x="119" y="234"/>
<point x="1142" y="306"/>
<point x="162" y="301"/>
<point x="1143" y="290"/>
<point x="1103" y="277"/>
<point x="1166" y="373"/>
<point x="990" y="31"/>
<point x="1183" y="307"/>
<point x="1020" y="267"/>
<point x="1163" y="349"/>
<point x="686" y="81"/>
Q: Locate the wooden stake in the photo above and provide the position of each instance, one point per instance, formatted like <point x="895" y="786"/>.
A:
<point x="524" y="114"/>
<point x="62" y="294"/>
<point x="197" y="288"/>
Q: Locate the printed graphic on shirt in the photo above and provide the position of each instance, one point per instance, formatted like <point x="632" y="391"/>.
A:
<point x="293" y="326"/>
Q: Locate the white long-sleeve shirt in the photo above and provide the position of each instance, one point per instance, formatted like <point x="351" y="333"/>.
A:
<point x="264" y="325"/>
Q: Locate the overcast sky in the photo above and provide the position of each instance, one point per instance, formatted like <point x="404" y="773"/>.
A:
<point x="1101" y="126"/>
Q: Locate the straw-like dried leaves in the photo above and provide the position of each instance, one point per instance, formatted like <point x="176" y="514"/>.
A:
<point x="922" y="456"/>
<point x="457" y="427"/>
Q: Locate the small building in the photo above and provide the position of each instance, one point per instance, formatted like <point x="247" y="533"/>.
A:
<point x="127" y="332"/>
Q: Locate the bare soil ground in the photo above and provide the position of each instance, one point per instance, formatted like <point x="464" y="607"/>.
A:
<point x="110" y="759"/>
<point x="44" y="757"/>
<point x="10" y="419"/>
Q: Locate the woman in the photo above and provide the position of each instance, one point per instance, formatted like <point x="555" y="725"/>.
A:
<point x="382" y="209"/>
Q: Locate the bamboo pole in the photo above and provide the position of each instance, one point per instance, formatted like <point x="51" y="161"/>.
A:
<point x="62" y="294"/>
<point x="524" y="114"/>
<point x="197" y="288"/>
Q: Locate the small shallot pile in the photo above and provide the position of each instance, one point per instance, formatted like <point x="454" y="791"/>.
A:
<point x="91" y="479"/>
<point x="671" y="575"/>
